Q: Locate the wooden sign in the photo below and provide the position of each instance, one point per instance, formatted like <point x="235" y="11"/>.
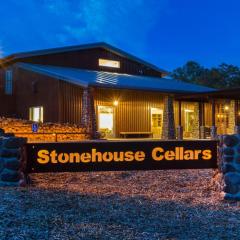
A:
<point x="121" y="155"/>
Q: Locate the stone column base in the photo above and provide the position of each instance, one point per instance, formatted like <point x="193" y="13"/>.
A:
<point x="237" y="129"/>
<point x="179" y="132"/>
<point x="213" y="132"/>
<point x="202" y="132"/>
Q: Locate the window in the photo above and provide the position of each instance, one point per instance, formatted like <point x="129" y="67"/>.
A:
<point x="36" y="114"/>
<point x="8" y="82"/>
<point x="108" y="63"/>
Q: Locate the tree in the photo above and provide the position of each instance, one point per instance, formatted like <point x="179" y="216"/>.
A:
<point x="223" y="76"/>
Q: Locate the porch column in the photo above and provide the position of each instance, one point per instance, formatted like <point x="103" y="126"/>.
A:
<point x="202" y="120"/>
<point x="168" y="119"/>
<point x="179" y="127"/>
<point x="213" y="128"/>
<point x="88" y="112"/>
<point x="237" y="122"/>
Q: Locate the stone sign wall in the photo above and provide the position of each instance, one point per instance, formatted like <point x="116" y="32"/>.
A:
<point x="229" y="164"/>
<point x="12" y="160"/>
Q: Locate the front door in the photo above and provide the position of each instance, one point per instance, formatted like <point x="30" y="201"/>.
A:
<point x="189" y="123"/>
<point x="156" y="122"/>
<point x="106" y="121"/>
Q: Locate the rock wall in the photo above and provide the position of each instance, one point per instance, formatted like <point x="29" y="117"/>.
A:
<point x="12" y="160"/>
<point x="229" y="156"/>
<point x="168" y="131"/>
<point x="47" y="132"/>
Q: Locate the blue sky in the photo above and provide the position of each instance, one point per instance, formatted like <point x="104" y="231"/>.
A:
<point x="164" y="32"/>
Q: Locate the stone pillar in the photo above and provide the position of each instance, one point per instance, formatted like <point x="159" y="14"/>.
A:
<point x="202" y="132"/>
<point x="213" y="130"/>
<point x="88" y="113"/>
<point x="196" y="124"/>
<point x="179" y="127"/>
<point x="168" y="131"/>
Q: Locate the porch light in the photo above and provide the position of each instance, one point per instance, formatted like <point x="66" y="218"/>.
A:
<point x="226" y="108"/>
<point x="115" y="103"/>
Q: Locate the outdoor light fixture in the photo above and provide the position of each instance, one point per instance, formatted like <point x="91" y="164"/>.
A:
<point x="226" y="108"/>
<point x="115" y="103"/>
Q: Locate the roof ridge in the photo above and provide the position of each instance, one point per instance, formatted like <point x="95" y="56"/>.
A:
<point x="104" y="45"/>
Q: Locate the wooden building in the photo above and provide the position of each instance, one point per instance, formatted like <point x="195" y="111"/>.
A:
<point x="113" y="92"/>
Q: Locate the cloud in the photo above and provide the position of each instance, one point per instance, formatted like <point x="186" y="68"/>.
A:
<point x="112" y="21"/>
<point x="53" y="23"/>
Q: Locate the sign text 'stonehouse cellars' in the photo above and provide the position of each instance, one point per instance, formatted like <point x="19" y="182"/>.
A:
<point x="121" y="155"/>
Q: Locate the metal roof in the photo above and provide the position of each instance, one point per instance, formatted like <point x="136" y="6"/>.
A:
<point x="85" y="78"/>
<point x="103" y="45"/>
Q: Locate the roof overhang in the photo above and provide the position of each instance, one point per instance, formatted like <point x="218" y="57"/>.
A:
<point x="231" y="93"/>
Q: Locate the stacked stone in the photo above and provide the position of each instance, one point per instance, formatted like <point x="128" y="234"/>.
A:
<point x="12" y="161"/>
<point x="168" y="119"/>
<point x="46" y="132"/>
<point x="230" y="166"/>
<point x="88" y="113"/>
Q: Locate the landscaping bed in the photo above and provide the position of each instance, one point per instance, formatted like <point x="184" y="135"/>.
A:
<point x="173" y="204"/>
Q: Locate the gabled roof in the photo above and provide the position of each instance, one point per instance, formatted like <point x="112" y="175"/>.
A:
<point x="103" y="45"/>
<point x="86" y="78"/>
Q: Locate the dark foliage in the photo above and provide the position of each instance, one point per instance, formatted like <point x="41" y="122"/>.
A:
<point x="223" y="76"/>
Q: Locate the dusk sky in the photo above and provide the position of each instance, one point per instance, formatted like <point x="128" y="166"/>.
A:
<point x="164" y="32"/>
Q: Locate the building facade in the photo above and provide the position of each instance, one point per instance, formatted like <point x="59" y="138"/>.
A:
<point x="113" y="93"/>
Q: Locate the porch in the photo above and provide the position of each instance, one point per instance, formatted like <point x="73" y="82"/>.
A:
<point x="163" y="116"/>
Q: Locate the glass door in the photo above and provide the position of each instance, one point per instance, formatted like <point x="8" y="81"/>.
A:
<point x="156" y="122"/>
<point x="106" y="121"/>
<point x="189" y="122"/>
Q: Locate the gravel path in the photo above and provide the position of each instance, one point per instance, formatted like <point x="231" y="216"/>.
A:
<point x="118" y="205"/>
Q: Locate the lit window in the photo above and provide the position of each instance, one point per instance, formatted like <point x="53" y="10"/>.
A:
<point x="8" y="82"/>
<point x="36" y="114"/>
<point x="108" y="63"/>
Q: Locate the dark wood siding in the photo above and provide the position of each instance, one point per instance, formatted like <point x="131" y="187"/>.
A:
<point x="133" y="113"/>
<point x="7" y="106"/>
<point x="2" y="78"/>
<point x="70" y="103"/>
<point x="88" y="59"/>
<point x="33" y="89"/>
